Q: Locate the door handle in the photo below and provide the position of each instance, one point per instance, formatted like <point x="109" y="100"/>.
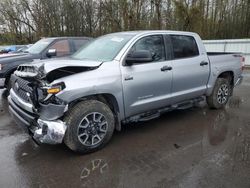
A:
<point x="128" y="78"/>
<point x="203" y="63"/>
<point x="166" y="68"/>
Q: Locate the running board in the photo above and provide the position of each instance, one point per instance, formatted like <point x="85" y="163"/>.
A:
<point x="150" y="117"/>
<point x="156" y="113"/>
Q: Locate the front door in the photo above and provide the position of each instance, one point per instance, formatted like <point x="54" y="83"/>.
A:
<point x="147" y="86"/>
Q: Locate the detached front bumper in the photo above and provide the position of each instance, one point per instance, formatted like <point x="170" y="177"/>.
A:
<point x="42" y="131"/>
<point x="50" y="132"/>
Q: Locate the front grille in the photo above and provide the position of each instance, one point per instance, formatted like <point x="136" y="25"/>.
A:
<point x="21" y="88"/>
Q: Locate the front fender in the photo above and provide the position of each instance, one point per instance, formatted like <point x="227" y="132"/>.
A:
<point x="104" y="80"/>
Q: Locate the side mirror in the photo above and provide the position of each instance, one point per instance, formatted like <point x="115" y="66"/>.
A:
<point x="141" y="56"/>
<point x="51" y="53"/>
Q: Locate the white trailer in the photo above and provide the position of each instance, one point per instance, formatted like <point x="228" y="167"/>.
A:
<point x="232" y="45"/>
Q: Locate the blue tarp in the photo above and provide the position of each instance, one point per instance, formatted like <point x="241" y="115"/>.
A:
<point x="10" y="48"/>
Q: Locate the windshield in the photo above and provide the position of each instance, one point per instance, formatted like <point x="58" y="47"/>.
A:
<point x="39" y="46"/>
<point x="104" y="48"/>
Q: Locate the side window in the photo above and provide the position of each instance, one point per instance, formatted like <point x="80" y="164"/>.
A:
<point x="184" y="46"/>
<point x="62" y="48"/>
<point x="78" y="43"/>
<point x="154" y="44"/>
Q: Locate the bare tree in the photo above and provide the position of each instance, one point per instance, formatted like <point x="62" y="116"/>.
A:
<point x="25" y="21"/>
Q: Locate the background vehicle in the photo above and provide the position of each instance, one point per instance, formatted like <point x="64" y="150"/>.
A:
<point x="14" y="48"/>
<point x="21" y="49"/>
<point x="2" y="50"/>
<point x="43" y="49"/>
<point x="9" y="53"/>
<point x="116" y="79"/>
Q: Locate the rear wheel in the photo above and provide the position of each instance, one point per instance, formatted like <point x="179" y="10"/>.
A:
<point x="90" y="126"/>
<point x="220" y="95"/>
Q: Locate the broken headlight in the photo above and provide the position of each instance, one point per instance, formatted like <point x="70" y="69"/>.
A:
<point x="47" y="94"/>
<point x="54" y="89"/>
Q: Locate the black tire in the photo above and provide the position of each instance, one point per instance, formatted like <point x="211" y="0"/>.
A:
<point x="213" y="100"/>
<point x="8" y="84"/>
<point x="80" y="113"/>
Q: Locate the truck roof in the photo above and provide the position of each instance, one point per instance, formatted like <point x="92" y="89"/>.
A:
<point x="65" y="37"/>
<point x="139" y="32"/>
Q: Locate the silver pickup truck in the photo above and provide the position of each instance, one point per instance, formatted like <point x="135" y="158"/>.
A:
<point x="119" y="78"/>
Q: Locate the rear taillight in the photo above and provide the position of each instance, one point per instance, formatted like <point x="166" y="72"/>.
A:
<point x="242" y="61"/>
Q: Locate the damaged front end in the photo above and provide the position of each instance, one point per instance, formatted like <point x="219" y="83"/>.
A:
<point x="33" y="101"/>
<point x="39" y="93"/>
<point x="41" y="112"/>
<point x="35" y="120"/>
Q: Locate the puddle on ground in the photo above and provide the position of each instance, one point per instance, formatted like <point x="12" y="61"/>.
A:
<point x="217" y="130"/>
<point x="235" y="102"/>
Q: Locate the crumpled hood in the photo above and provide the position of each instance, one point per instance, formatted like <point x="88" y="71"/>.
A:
<point x="56" y="64"/>
<point x="39" y="69"/>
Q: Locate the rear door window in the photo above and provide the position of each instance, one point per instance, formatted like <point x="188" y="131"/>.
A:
<point x="184" y="46"/>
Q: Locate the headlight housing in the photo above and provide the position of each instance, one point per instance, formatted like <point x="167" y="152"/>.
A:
<point x="54" y="89"/>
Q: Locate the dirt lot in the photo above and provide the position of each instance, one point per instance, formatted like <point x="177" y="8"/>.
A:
<point x="192" y="148"/>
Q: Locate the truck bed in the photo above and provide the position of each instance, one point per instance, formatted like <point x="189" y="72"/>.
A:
<point x="222" y="53"/>
<point x="221" y="61"/>
<point x="224" y="59"/>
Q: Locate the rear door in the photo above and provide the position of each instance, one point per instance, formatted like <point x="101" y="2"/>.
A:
<point x="190" y="68"/>
<point x="147" y="86"/>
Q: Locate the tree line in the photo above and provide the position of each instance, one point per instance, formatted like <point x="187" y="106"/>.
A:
<point x="25" y="21"/>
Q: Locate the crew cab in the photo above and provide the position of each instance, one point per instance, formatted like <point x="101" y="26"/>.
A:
<point x="43" y="49"/>
<point x="117" y="79"/>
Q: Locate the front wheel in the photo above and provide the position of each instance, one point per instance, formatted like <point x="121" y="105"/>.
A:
<point x="8" y="84"/>
<point x="90" y="126"/>
<point x="220" y="95"/>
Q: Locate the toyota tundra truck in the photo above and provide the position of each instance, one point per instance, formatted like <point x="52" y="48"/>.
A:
<point x="117" y="79"/>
